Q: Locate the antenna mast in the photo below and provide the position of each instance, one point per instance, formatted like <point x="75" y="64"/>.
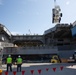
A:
<point x="56" y="15"/>
<point x="29" y="32"/>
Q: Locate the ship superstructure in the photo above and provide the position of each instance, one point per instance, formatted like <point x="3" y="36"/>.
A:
<point x="56" y="40"/>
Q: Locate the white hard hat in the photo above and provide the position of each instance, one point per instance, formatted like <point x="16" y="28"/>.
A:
<point x="9" y="55"/>
<point x="19" y="56"/>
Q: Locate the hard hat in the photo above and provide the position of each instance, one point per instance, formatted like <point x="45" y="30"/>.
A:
<point x="19" y="56"/>
<point x="9" y="55"/>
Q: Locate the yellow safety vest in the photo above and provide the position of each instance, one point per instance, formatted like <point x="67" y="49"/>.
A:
<point x="9" y="60"/>
<point x="19" y="60"/>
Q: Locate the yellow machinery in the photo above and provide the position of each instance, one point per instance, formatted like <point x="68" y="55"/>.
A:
<point x="55" y="59"/>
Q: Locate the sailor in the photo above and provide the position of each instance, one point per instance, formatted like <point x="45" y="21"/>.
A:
<point x="9" y="63"/>
<point x="19" y="63"/>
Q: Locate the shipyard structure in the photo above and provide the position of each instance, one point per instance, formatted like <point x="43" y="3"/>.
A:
<point x="59" y="40"/>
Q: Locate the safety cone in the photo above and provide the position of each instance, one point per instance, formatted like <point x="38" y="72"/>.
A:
<point x="47" y="69"/>
<point x="54" y="69"/>
<point x="23" y="72"/>
<point x="32" y="71"/>
<point x="61" y="68"/>
<point x="6" y="73"/>
<point x="14" y="72"/>
<point x="39" y="71"/>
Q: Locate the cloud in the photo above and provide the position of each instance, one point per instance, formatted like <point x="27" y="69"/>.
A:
<point x="68" y="2"/>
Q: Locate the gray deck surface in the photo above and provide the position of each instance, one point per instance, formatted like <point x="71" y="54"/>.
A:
<point x="68" y="69"/>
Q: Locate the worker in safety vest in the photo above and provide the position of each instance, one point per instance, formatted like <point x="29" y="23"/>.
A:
<point x="9" y="63"/>
<point x="19" y="63"/>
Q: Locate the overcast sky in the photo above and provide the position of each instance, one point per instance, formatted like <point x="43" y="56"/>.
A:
<point x="34" y="16"/>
